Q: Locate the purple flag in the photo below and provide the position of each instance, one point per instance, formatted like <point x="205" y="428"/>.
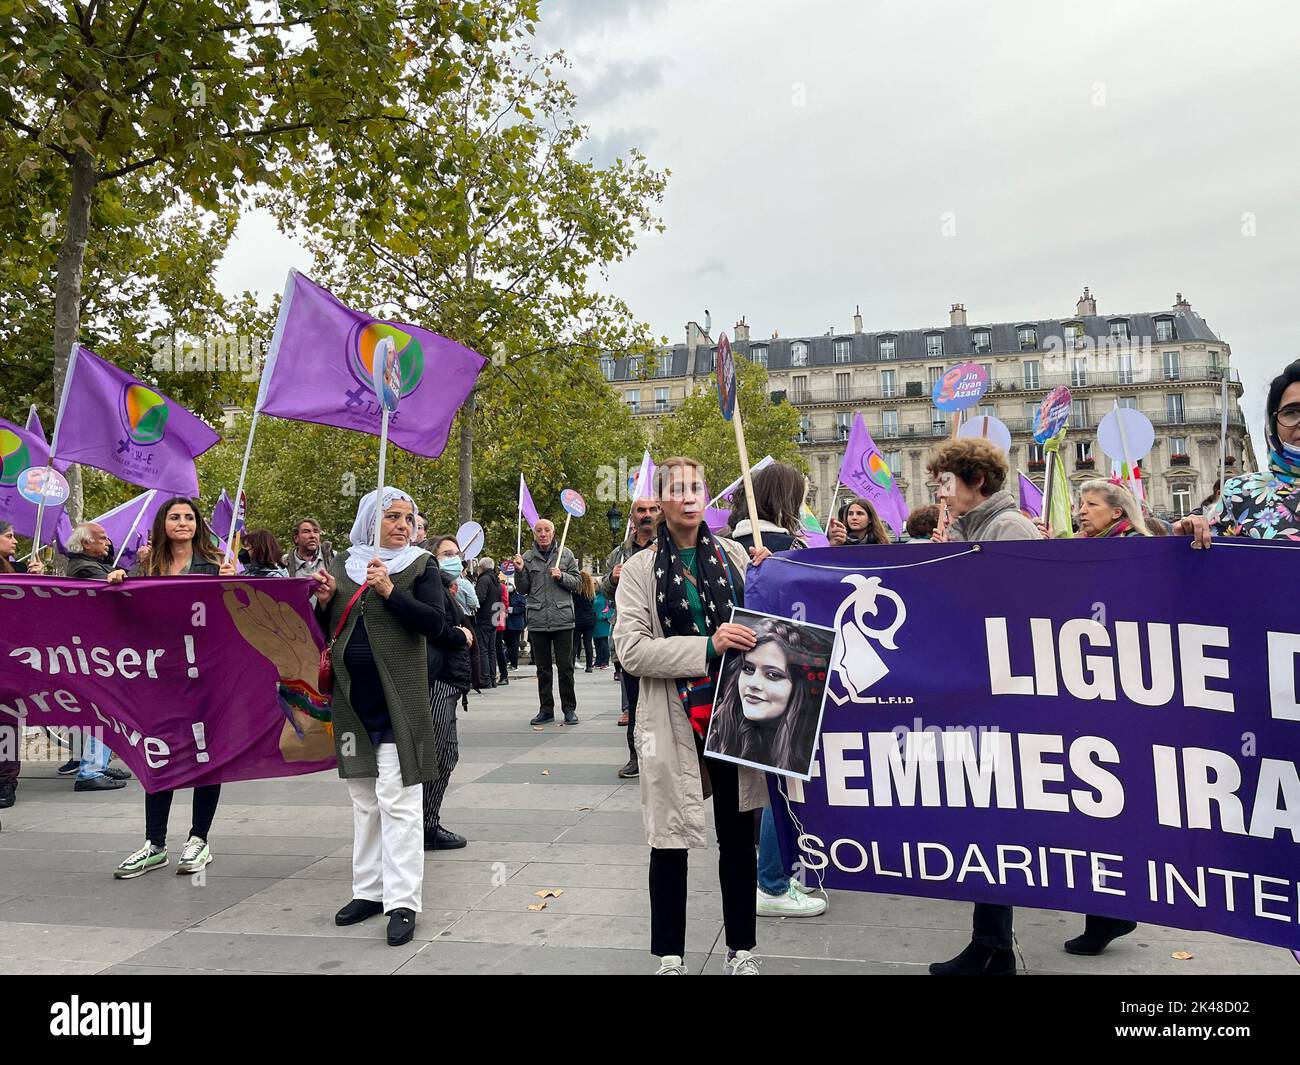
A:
<point x="224" y="511"/>
<point x="128" y="524"/>
<point x="1031" y="497"/>
<point x="319" y="370"/>
<point x="19" y="449"/>
<point x="716" y="518"/>
<point x="231" y="699"/>
<point x="116" y="423"/>
<point x="34" y="426"/>
<point x="865" y="471"/>
<point x="526" y="506"/>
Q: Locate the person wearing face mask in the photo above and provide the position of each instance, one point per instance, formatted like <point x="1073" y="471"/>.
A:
<point x="11" y="735"/>
<point x="1263" y="505"/>
<point x="387" y="602"/>
<point x="549" y="578"/>
<point x="857" y="524"/>
<point x="181" y="546"/>
<point x="450" y="678"/>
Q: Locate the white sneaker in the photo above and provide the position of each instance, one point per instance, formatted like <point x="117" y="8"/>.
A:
<point x="195" y="855"/>
<point x="671" y="965"/>
<point x="743" y="964"/>
<point x="794" y="903"/>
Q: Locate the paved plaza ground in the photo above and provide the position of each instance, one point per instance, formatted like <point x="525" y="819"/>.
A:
<point x="541" y="809"/>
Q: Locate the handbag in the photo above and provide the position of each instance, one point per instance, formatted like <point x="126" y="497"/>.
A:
<point x="325" y="675"/>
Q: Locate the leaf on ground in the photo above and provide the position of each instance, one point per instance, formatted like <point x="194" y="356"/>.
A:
<point x="538" y="728"/>
<point x="549" y="893"/>
<point x="1181" y="955"/>
<point x="535" y="906"/>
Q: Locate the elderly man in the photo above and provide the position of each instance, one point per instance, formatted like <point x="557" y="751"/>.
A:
<point x="549" y="577"/>
<point x="90" y="558"/>
<point x="309" y="555"/>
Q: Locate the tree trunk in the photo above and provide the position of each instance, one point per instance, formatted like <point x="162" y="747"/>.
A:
<point x="67" y="293"/>
<point x="467" y="457"/>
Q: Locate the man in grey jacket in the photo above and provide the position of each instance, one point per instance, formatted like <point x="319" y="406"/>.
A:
<point x="645" y="516"/>
<point x="549" y="582"/>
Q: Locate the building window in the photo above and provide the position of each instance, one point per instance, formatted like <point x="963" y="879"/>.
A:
<point x="986" y="410"/>
<point x="1083" y="453"/>
<point x="1130" y="402"/>
<point x="981" y="341"/>
<point x="934" y="346"/>
<point x="887" y="348"/>
<point x="1214" y="360"/>
<point x="805" y="428"/>
<point x="987" y="367"/>
<point x="708" y="360"/>
<point x="1079" y="414"/>
<point x="1037" y="457"/>
<point x="1119" y="329"/>
<point x="1031" y="412"/>
<point x="1073" y="332"/>
<point x="799" y="388"/>
<point x="634" y="364"/>
<point x="888" y="384"/>
<point x="799" y="354"/>
<point x="936" y="375"/>
<point x="841" y="386"/>
<point x="843" y="423"/>
<point x="889" y="423"/>
<point x="661" y="399"/>
<point x="1174" y="407"/>
<point x="1078" y="373"/>
<point x="894" y="460"/>
<point x="1182" y="500"/>
<point x="634" y="402"/>
<point x="664" y="364"/>
<point x="1172" y="372"/>
<point x="758" y="356"/>
<point x="607" y="367"/>
<point x="1178" y="445"/>
<point x="1164" y="330"/>
<point x="1126" y="369"/>
<point x="843" y="351"/>
<point x="1028" y="337"/>
<point x="1032" y="372"/>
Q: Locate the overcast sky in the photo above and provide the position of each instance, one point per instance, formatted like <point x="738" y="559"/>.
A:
<point x="817" y="149"/>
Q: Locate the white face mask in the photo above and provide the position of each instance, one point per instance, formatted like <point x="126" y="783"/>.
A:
<point x="1291" y="451"/>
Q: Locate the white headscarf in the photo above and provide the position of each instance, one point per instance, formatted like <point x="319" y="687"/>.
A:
<point x="363" y="536"/>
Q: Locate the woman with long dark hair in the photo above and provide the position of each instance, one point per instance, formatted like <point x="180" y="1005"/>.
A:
<point x="264" y="555"/>
<point x="180" y="546"/>
<point x="857" y="524"/>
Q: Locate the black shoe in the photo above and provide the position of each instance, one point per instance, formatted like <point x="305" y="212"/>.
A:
<point x="70" y="768"/>
<point x="504" y="680"/>
<point x="440" y="839"/>
<point x="1099" y="933"/>
<point x="570" y="717"/>
<point x="114" y="773"/>
<point x="401" y="926"/>
<point x="542" y="718"/>
<point x="589" y="669"/>
<point x="976" y="960"/>
<point x="630" y="771"/>
<point x="8" y="793"/>
<point x="99" y="783"/>
<point x="358" y="910"/>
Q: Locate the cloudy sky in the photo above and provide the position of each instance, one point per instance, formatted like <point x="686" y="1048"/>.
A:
<point x="819" y="150"/>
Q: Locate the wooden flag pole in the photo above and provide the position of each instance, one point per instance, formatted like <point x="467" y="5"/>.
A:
<point x="749" y="481"/>
<point x="379" y="495"/>
<point x="944" y="520"/>
<point x="559" y="555"/>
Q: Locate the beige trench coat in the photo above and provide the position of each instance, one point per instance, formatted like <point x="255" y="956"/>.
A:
<point x="672" y="789"/>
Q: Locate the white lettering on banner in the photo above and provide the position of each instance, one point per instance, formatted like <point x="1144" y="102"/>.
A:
<point x="90" y="661"/>
<point x="1211" y="782"/>
<point x="1282" y="650"/>
<point x="1093" y="676"/>
<point x="23" y="709"/>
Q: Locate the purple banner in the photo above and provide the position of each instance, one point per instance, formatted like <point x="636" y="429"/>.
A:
<point x="1056" y="724"/>
<point x="190" y="680"/>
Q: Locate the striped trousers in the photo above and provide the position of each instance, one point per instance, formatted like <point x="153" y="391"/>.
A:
<point x="443" y="699"/>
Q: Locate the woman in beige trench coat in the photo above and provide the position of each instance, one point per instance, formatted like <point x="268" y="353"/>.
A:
<point x="673" y="603"/>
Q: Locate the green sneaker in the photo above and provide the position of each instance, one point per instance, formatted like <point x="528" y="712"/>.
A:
<point x="145" y="860"/>
<point x="195" y="855"/>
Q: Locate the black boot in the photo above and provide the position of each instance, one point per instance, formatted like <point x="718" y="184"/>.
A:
<point x="976" y="960"/>
<point x="440" y="839"/>
<point x="630" y="771"/>
<point x="1098" y="933"/>
<point x="401" y="926"/>
<point x="358" y="910"/>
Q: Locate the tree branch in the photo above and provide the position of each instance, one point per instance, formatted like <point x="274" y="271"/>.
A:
<point x="109" y="175"/>
<point x="35" y="135"/>
<point x="135" y="23"/>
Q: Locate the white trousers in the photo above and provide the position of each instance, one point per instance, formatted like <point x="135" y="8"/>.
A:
<point x="387" y="836"/>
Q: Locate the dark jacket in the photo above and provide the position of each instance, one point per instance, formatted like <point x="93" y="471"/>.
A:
<point x="488" y="590"/>
<point x="775" y="538"/>
<point x="455" y="669"/>
<point x="518" y="608"/>
<point x="197" y="568"/>
<point x="83" y="567"/>
<point x="584" y="612"/>
<point x="550" y="601"/>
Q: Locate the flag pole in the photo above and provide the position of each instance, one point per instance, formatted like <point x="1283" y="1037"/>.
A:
<point x="519" y="523"/>
<point x="379" y="495"/>
<point x="1223" y="435"/>
<point x="830" y="513"/>
<point x="149" y="497"/>
<point x="54" y="443"/>
<point x="1123" y="444"/>
<point x="239" y="492"/>
<point x="739" y="423"/>
<point x="559" y="555"/>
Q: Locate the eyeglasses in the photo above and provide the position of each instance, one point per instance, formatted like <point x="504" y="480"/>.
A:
<point x="1288" y="417"/>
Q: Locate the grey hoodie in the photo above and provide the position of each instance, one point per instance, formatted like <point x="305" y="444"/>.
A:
<point x="997" y="518"/>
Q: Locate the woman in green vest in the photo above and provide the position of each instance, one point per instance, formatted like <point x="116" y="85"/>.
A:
<point x="386" y="605"/>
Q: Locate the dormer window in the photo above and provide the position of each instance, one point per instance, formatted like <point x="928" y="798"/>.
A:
<point x="981" y="341"/>
<point x="758" y="355"/>
<point x="607" y="367"/>
<point x="664" y="364"/>
<point x="1165" y="330"/>
<point x="843" y="350"/>
<point x="798" y="353"/>
<point x="934" y="346"/>
<point x="888" y="347"/>
<point x="1119" y="329"/>
<point x="1028" y="337"/>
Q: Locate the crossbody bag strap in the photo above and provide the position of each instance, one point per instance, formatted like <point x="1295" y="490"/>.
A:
<point x="346" y="611"/>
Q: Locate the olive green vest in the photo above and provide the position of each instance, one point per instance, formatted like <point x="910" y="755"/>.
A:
<point x="401" y="658"/>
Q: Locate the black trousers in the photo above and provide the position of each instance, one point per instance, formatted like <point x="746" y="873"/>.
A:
<point x="503" y="662"/>
<point x="485" y="642"/>
<point x="512" y="646"/>
<point x="158" y="808"/>
<point x="554" y="649"/>
<point x="602" y="651"/>
<point x="991" y="925"/>
<point x="443" y="699"/>
<point x="737" y="873"/>
<point x="631" y="692"/>
<point x="584" y="640"/>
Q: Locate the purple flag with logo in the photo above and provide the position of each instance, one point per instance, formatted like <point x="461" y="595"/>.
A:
<point x="116" y="423"/>
<point x="21" y="448"/>
<point x="1031" y="497"/>
<point x="128" y="524"/>
<point x="866" y="472"/>
<point x="526" y="505"/>
<point x="982" y="741"/>
<point x="319" y="370"/>
<point x="229" y="698"/>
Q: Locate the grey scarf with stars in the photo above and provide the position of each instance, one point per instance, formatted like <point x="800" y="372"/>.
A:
<point x="719" y="590"/>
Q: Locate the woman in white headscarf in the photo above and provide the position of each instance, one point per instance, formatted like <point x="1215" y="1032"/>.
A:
<point x="387" y="607"/>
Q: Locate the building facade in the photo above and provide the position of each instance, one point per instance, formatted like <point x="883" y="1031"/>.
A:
<point x="1168" y="364"/>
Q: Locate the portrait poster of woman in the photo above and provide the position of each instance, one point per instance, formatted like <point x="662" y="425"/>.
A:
<point x="768" y="709"/>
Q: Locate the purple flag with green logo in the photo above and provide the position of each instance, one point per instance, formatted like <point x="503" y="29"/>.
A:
<point x="116" y="423"/>
<point x="319" y="370"/>
<point x="866" y="472"/>
<point x="21" y="448"/>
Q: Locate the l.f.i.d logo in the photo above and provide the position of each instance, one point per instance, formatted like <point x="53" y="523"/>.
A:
<point x="855" y="663"/>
